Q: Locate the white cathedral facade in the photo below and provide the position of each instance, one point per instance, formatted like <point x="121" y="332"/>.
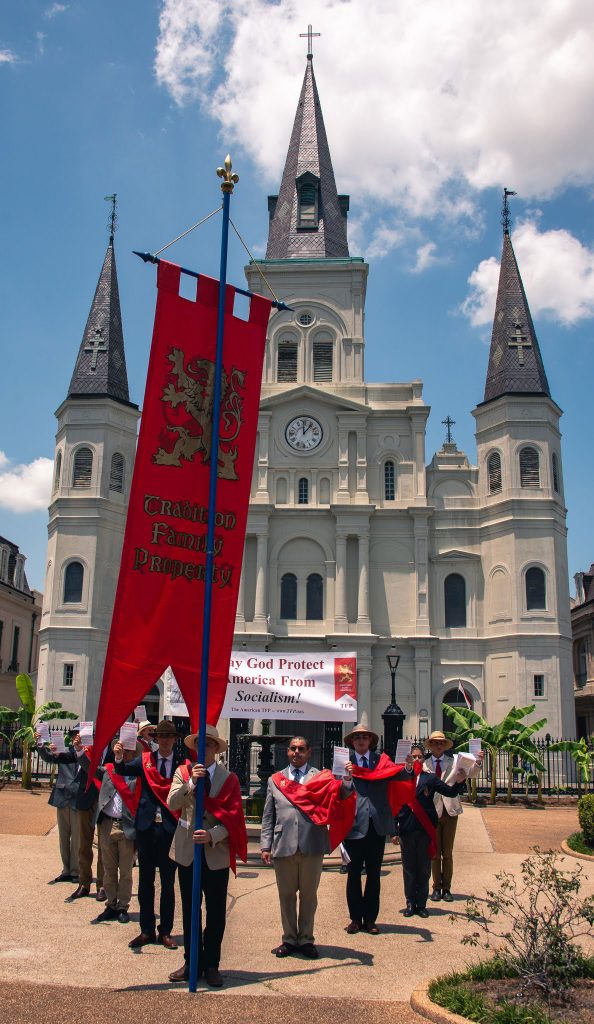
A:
<point x="354" y="542"/>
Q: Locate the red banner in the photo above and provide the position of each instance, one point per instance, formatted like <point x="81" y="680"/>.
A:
<point x="157" y="616"/>
<point x="345" y="678"/>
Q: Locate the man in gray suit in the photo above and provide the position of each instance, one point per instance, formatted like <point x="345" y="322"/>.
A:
<point x="63" y="798"/>
<point x="296" y="846"/>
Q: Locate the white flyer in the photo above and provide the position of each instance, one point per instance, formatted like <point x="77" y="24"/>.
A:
<point x="128" y="733"/>
<point x="57" y="739"/>
<point x="474" y="746"/>
<point x="339" y="760"/>
<point x="42" y="728"/>
<point x="403" y="749"/>
<point x="140" y="713"/>
<point x="86" y="731"/>
<point x="464" y="761"/>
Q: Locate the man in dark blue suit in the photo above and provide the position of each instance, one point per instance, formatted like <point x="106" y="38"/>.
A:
<point x="366" y="841"/>
<point x="155" y="828"/>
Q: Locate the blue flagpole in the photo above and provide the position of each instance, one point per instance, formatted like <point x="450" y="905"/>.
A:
<point x="229" y="181"/>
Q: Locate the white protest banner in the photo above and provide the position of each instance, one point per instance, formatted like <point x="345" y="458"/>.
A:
<point x="316" y="686"/>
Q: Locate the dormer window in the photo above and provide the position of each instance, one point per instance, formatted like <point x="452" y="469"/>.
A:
<point x="308" y="202"/>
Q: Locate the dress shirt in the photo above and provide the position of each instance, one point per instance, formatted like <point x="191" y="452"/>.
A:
<point x="359" y="759"/>
<point x="113" y="809"/>
<point x="211" y="770"/>
<point x="168" y="764"/>
<point x="303" y="771"/>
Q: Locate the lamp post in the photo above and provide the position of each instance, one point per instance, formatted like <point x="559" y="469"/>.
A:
<point x="393" y="717"/>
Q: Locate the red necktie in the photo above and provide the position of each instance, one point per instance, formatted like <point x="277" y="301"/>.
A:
<point x="438" y="768"/>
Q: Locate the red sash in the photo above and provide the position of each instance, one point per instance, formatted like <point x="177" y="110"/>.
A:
<point x="400" y="792"/>
<point x="89" y="752"/>
<point x="155" y="780"/>
<point x="227" y="808"/>
<point x="319" y="799"/>
<point x="131" y="797"/>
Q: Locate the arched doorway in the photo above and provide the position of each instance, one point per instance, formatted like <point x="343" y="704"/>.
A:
<point x="455" y="698"/>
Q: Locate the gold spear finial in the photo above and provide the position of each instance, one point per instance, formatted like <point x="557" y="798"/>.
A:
<point x="229" y="179"/>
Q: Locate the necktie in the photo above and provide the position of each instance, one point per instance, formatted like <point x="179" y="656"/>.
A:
<point x="438" y="768"/>
<point x="297" y="774"/>
<point x="207" y="783"/>
<point x="364" y="761"/>
<point x="163" y="768"/>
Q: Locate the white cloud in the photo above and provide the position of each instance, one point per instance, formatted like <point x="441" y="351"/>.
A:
<point x="25" y="487"/>
<point x="557" y="271"/>
<point x="426" y="257"/>
<point x="8" y="57"/>
<point x="425" y="104"/>
<point x="54" y="9"/>
<point x="41" y="37"/>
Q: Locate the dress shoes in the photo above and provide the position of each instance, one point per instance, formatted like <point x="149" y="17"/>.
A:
<point x="353" y="927"/>
<point x="213" y="977"/>
<point x="447" y="896"/>
<point x="62" y="878"/>
<point x="167" y="941"/>
<point x="109" y="914"/>
<point x="101" y="895"/>
<point x="309" y="950"/>
<point x="78" y="893"/>
<point x="182" y="974"/>
<point x="436" y="895"/>
<point x="409" y="910"/>
<point x="142" y="940"/>
<point x="285" y="949"/>
<point x="422" y="912"/>
<point x="123" y="917"/>
<point x="370" y="927"/>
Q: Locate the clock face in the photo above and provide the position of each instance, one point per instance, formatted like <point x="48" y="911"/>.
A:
<point x="304" y="434"/>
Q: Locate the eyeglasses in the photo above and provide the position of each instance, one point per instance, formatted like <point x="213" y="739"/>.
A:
<point x="298" y="750"/>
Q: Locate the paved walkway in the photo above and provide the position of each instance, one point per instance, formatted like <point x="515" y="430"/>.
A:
<point x="45" y="942"/>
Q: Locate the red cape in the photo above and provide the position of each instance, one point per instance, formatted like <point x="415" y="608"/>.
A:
<point x="131" y="797"/>
<point x="227" y="808"/>
<point x="155" y="780"/>
<point x="319" y="798"/>
<point x="400" y="792"/>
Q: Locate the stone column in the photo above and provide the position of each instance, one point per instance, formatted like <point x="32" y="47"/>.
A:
<point x="363" y="603"/>
<point x="240" y="614"/>
<point x="261" y="575"/>
<point x="340" y="611"/>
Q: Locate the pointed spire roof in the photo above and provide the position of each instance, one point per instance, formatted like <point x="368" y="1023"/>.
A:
<point x="515" y="362"/>
<point x="101" y="363"/>
<point x="308" y="161"/>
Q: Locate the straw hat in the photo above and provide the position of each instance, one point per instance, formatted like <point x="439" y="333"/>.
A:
<point x="145" y="725"/>
<point x="360" y="728"/>
<point x="440" y="736"/>
<point x="212" y="734"/>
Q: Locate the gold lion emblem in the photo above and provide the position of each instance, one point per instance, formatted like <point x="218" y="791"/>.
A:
<point x="193" y="387"/>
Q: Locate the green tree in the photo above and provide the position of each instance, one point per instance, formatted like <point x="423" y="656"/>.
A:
<point x="512" y="735"/>
<point x="27" y="718"/>
<point x="582" y="755"/>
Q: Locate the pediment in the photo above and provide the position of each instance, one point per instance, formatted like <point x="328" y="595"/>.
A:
<point x="456" y="555"/>
<point x="303" y="391"/>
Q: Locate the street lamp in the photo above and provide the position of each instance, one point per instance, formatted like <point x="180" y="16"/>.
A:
<point x="393" y="717"/>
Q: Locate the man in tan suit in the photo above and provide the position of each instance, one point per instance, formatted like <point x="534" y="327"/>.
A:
<point x="217" y="852"/>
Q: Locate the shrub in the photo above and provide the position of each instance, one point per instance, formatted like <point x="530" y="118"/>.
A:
<point x="586" y="817"/>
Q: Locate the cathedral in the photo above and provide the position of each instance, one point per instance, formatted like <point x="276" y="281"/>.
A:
<point x="355" y="542"/>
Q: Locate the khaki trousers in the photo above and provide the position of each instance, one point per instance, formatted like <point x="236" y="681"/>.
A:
<point x="117" y="853"/>
<point x="442" y="865"/>
<point x="86" y="833"/>
<point x="299" y="873"/>
<point x="68" y="836"/>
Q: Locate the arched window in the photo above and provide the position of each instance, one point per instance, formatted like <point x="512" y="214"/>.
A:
<point x="73" y="583"/>
<point x="389" y="481"/>
<point x="116" y="475"/>
<point x="303" y="491"/>
<point x="581" y="675"/>
<point x="308" y="206"/>
<point x="455" y="600"/>
<point x="58" y="470"/>
<point x="315" y="597"/>
<point x="494" y="470"/>
<point x="529" y="468"/>
<point x="288" y="609"/>
<point x="555" y="462"/>
<point x="286" y="363"/>
<point x="322" y="361"/>
<point x="455" y="699"/>
<point x="536" y="589"/>
<point x="83" y="467"/>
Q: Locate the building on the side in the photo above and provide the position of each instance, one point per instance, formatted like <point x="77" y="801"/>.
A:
<point x="20" y="615"/>
<point x="582" y="629"/>
<point x="354" y="542"/>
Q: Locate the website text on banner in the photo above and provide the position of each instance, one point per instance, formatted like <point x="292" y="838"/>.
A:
<point x="160" y="594"/>
<point x="311" y="687"/>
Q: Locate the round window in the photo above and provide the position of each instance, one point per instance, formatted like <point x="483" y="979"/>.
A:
<point x="305" y="319"/>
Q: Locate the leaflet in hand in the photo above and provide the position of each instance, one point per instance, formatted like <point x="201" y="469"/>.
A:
<point x="474" y="746"/>
<point x="42" y="728"/>
<point x="403" y="749"/>
<point x="57" y="739"/>
<point x="140" y="713"/>
<point x="86" y="732"/>
<point x="339" y="760"/>
<point x="128" y="733"/>
<point x="464" y="761"/>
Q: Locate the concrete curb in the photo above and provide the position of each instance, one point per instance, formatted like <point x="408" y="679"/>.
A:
<point x="573" y="853"/>
<point x="423" y="1005"/>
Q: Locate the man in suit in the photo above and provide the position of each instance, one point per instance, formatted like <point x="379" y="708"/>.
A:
<point x="155" y="826"/>
<point x="63" y="798"/>
<point x="218" y="849"/>
<point x="296" y="846"/>
<point x="367" y="839"/>
<point x="441" y="763"/>
<point x="114" y="820"/>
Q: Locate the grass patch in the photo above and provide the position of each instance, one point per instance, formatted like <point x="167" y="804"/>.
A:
<point x="578" y="844"/>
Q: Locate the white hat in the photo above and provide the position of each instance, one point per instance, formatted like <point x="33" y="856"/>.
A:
<point x="211" y="733"/>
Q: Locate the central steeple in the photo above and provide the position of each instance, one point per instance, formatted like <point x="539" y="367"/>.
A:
<point x="308" y="219"/>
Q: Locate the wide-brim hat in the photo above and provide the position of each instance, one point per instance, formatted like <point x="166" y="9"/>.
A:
<point x="166" y="728"/>
<point x="212" y="734"/>
<point x="145" y="725"/>
<point x="440" y="736"/>
<point x="360" y="728"/>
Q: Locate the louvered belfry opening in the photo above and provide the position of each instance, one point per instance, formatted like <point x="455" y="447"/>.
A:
<point x="494" y="468"/>
<point x="83" y="468"/>
<point x="529" y="468"/>
<point x="322" y="361"/>
<point x="116" y="475"/>
<point x="287" y="362"/>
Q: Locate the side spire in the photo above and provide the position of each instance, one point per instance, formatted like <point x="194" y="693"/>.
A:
<point x="515" y="362"/>
<point x="308" y="218"/>
<point x="100" y="368"/>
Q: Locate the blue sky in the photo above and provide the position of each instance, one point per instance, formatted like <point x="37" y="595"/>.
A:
<point x="430" y="109"/>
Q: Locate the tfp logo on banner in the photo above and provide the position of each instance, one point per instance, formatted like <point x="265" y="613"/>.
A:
<point x="312" y="687"/>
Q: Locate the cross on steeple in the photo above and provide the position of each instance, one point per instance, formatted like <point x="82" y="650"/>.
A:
<point x="96" y="345"/>
<point x="449" y="423"/>
<point x="113" y="215"/>
<point x="519" y="341"/>
<point x="309" y="35"/>
<point x="505" y="217"/>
